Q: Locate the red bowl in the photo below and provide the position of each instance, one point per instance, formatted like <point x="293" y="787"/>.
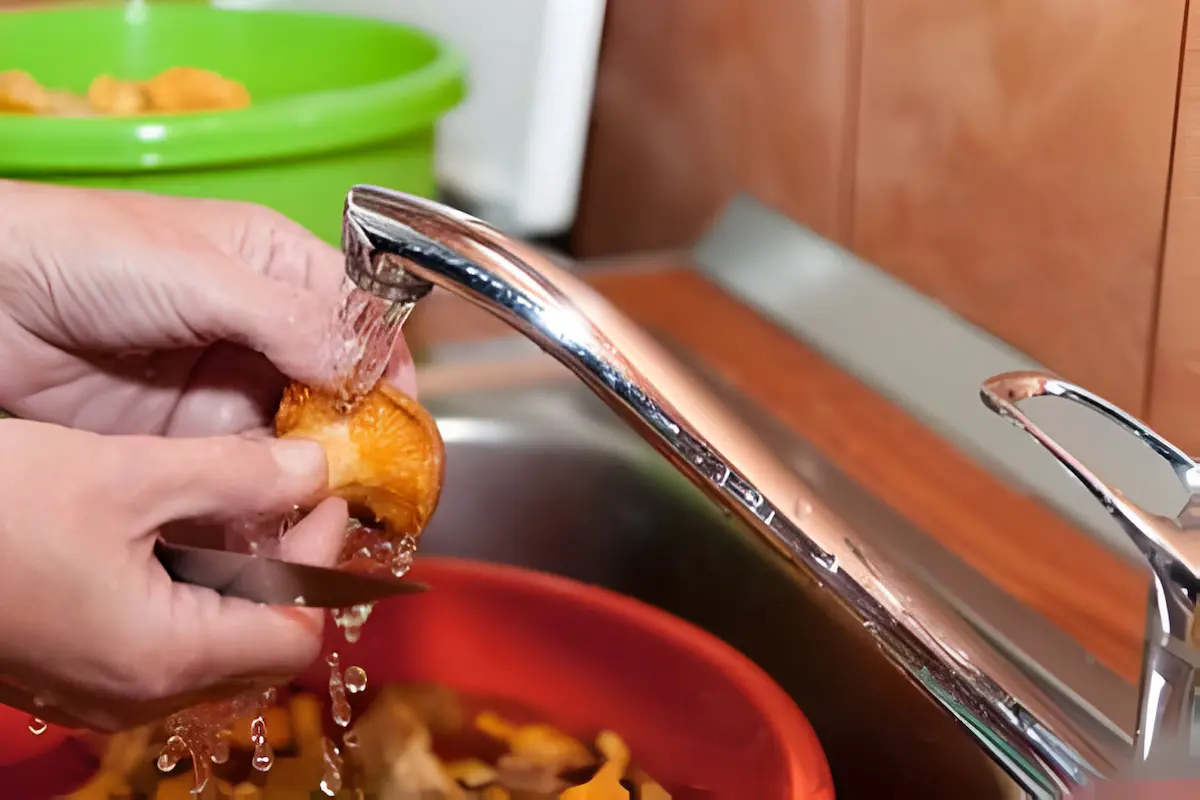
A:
<point x="19" y="744"/>
<point x="53" y="763"/>
<point x="698" y="716"/>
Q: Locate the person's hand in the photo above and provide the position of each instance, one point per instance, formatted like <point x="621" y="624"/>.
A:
<point x="123" y="312"/>
<point x="92" y="630"/>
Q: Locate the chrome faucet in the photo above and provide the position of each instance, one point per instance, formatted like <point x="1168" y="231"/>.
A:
<point x="1166" y="735"/>
<point x="399" y="247"/>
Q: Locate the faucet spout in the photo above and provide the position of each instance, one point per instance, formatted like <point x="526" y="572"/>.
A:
<point x="399" y="246"/>
<point x="373" y="226"/>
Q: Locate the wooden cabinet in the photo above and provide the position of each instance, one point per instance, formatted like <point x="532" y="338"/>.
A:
<point x="1010" y="158"/>
<point x="696" y="99"/>
<point x="1175" y="378"/>
<point x="1012" y="162"/>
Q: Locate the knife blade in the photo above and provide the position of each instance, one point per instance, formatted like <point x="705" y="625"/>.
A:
<point x="274" y="582"/>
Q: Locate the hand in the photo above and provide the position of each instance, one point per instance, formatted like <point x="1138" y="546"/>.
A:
<point x="149" y="315"/>
<point x="90" y="623"/>
<point x="123" y="312"/>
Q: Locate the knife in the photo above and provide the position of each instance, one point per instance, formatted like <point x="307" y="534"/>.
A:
<point x="275" y="582"/>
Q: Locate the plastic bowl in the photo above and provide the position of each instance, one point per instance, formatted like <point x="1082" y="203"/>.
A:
<point x="336" y="100"/>
<point x="698" y="716"/>
<point x="54" y="763"/>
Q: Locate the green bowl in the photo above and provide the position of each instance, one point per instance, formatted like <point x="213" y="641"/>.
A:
<point x="336" y="101"/>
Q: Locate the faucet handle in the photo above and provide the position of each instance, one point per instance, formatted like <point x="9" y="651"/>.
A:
<point x="1167" y="730"/>
<point x="1158" y="537"/>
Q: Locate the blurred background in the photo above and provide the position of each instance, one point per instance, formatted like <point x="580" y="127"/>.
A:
<point x="1026" y="167"/>
<point x="923" y="193"/>
<point x="1017" y="176"/>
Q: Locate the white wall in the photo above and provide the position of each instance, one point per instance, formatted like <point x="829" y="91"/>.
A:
<point x="515" y="148"/>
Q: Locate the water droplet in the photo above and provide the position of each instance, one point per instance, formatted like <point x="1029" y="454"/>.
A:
<point x="270" y="696"/>
<point x="803" y="508"/>
<point x="402" y="557"/>
<point x="37" y="726"/>
<point x="331" y="783"/>
<point x="350" y="740"/>
<point x="172" y="753"/>
<point x="201" y="772"/>
<point x="220" y="751"/>
<point x="263" y="757"/>
<point x="300" y="601"/>
<point x="351" y="620"/>
<point x="364" y="335"/>
<point x="355" y="679"/>
<point x="337" y="693"/>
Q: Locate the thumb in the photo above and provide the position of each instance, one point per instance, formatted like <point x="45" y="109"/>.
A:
<point x="218" y="478"/>
<point x="221" y="639"/>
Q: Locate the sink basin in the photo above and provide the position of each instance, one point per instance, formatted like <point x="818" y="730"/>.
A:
<point x="545" y="477"/>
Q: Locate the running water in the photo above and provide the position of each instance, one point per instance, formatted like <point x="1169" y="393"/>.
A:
<point x="367" y="547"/>
<point x="363" y="335"/>
<point x="364" y="547"/>
<point x="365" y="332"/>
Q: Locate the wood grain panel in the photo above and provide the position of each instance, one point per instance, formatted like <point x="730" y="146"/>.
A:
<point x="1175" y="387"/>
<point x="1012" y="162"/>
<point x="697" y="99"/>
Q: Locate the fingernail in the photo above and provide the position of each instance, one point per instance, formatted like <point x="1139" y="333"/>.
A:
<point x="299" y="457"/>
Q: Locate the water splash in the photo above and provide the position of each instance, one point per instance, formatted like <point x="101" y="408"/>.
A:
<point x="351" y="620"/>
<point x="201" y="733"/>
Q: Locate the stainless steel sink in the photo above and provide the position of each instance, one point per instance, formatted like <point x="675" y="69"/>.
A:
<point x="546" y="477"/>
